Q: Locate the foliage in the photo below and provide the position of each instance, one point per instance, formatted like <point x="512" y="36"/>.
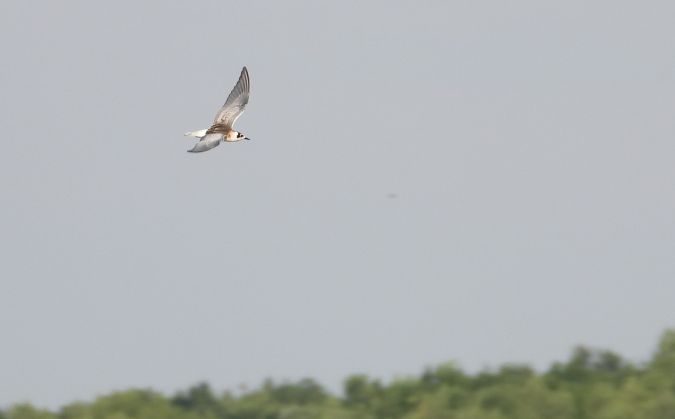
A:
<point x="590" y="384"/>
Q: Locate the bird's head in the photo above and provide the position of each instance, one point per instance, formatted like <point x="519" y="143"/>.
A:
<point x="242" y="136"/>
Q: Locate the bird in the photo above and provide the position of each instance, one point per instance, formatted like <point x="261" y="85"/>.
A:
<point x="222" y="127"/>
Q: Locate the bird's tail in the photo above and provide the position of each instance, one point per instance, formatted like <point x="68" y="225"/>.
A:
<point x="198" y="134"/>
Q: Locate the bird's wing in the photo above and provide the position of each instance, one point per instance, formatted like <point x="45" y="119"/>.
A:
<point x="236" y="101"/>
<point x="207" y="142"/>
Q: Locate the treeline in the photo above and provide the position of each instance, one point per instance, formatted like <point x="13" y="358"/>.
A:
<point x="592" y="384"/>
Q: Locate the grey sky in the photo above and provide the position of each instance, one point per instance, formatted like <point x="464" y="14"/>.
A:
<point x="530" y="146"/>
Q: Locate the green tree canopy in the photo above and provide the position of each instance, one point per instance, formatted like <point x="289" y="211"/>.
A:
<point x="591" y="384"/>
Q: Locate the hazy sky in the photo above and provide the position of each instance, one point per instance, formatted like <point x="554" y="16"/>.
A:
<point x="483" y="182"/>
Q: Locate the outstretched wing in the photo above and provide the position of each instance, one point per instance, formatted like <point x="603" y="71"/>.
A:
<point x="207" y="142"/>
<point x="236" y="101"/>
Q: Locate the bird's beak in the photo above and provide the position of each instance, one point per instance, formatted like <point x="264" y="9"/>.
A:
<point x="246" y="138"/>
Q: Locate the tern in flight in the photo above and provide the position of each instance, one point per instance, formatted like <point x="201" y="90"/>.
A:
<point x="222" y="128"/>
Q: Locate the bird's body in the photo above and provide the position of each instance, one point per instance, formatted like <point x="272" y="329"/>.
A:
<point x="222" y="130"/>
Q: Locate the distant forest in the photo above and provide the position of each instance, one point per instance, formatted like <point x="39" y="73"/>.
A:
<point x="591" y="384"/>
